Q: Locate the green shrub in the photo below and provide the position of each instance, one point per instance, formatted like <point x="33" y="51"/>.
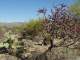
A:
<point x="32" y="28"/>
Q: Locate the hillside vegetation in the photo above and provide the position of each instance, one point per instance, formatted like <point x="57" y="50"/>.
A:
<point x="56" y="36"/>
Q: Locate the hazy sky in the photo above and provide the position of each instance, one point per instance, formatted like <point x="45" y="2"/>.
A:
<point x="24" y="10"/>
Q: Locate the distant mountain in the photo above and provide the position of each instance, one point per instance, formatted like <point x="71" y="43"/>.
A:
<point x="11" y="24"/>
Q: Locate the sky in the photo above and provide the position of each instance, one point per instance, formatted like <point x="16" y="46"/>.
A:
<point x="25" y="10"/>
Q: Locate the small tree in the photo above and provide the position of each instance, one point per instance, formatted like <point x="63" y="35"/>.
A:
<point x="63" y="25"/>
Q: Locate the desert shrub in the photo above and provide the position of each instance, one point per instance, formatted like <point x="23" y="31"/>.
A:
<point x="32" y="28"/>
<point x="75" y="8"/>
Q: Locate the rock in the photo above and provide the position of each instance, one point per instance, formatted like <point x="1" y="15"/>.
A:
<point x="58" y="53"/>
<point x="7" y="57"/>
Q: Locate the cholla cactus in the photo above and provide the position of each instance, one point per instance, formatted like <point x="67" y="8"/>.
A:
<point x="15" y="45"/>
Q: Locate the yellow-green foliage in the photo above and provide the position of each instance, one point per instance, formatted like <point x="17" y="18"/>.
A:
<point x="33" y="27"/>
<point x="75" y="8"/>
